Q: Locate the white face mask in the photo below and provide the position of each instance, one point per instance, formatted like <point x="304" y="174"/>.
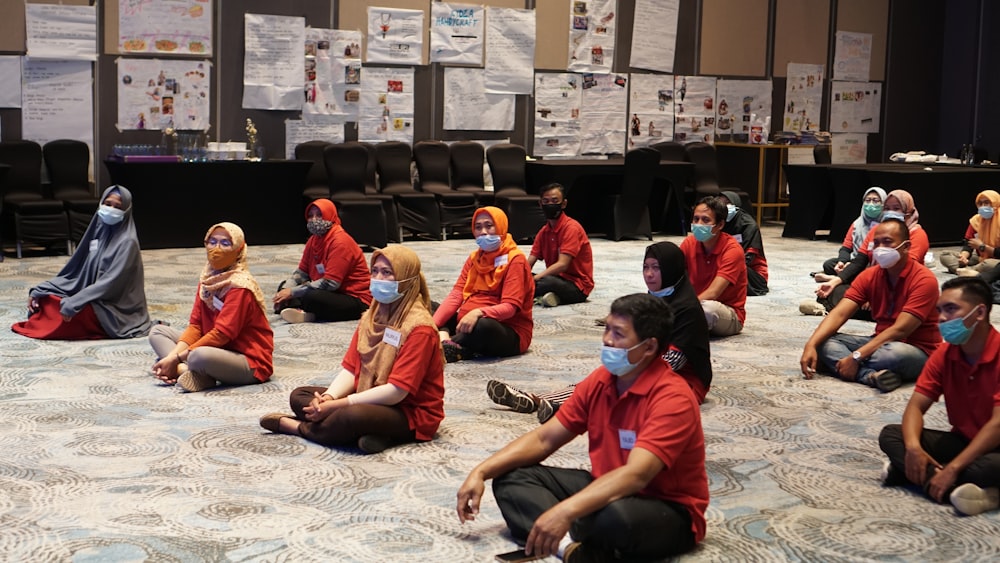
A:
<point x="110" y="215"/>
<point x="887" y="257"/>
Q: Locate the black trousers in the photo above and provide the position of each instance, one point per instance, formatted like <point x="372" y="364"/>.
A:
<point x="943" y="447"/>
<point x="489" y="337"/>
<point x="632" y="528"/>
<point x="329" y="306"/>
<point x="567" y="292"/>
<point x="344" y="426"/>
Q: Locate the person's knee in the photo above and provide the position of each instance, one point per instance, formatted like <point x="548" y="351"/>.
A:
<point x="890" y="435"/>
<point x="159" y="331"/>
<point x="198" y="360"/>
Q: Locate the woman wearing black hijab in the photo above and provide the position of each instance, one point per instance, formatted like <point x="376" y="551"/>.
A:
<point x="665" y="274"/>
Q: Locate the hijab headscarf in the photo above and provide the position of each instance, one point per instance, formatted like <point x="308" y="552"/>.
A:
<point x="863" y="224"/>
<point x="988" y="229"/>
<point x="318" y="247"/>
<point x="909" y="208"/>
<point x="217" y="283"/>
<point x="486" y="274"/>
<point x="105" y="272"/>
<point x="744" y="224"/>
<point x="690" y="333"/>
<point x="403" y="315"/>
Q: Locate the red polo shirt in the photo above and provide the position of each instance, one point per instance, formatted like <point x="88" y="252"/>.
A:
<point x="971" y="391"/>
<point x="658" y="413"/>
<point x="567" y="237"/>
<point x="916" y="292"/>
<point x="243" y="322"/>
<point x="337" y="257"/>
<point x="726" y="261"/>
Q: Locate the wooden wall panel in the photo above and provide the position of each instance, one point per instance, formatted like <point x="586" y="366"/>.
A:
<point x="801" y="33"/>
<point x="867" y="16"/>
<point x="552" y="34"/>
<point x="734" y="38"/>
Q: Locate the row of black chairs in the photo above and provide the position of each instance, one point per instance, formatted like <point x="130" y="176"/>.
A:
<point x="54" y="213"/>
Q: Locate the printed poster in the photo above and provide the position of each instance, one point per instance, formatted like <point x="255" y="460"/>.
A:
<point x="603" y="108"/>
<point x="273" y="65"/>
<point x="558" y="98"/>
<point x="510" y="50"/>
<point x="332" y="73"/>
<point x="803" y="97"/>
<point x="855" y="107"/>
<point x="853" y="56"/>
<point x="651" y="109"/>
<point x="155" y="94"/>
<point x="849" y="148"/>
<point x="386" y="111"/>
<point x="457" y="32"/>
<point x="181" y="27"/>
<point x="57" y="102"/>
<point x="592" y="36"/>
<point x="329" y="128"/>
<point x="61" y="32"/>
<point x="467" y="106"/>
<point x="694" y="109"/>
<point x="10" y="81"/>
<point x="395" y="36"/>
<point x="738" y="102"/>
<point x="654" y="36"/>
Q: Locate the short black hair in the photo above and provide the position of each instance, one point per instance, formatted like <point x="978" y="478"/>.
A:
<point x="553" y="186"/>
<point x="716" y="206"/>
<point x="651" y="316"/>
<point x="974" y="290"/>
<point x="901" y="225"/>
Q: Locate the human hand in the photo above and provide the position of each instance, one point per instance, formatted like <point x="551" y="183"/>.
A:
<point x="963" y="261"/>
<point x="839" y="267"/>
<point x="917" y="461"/>
<point x="825" y="289"/>
<point x="320" y="411"/>
<point x="468" y="497"/>
<point x="808" y="362"/>
<point x="942" y="482"/>
<point x="847" y="368"/>
<point x="318" y="399"/>
<point x="32" y="306"/>
<point x="166" y="369"/>
<point x="549" y="528"/>
<point x="469" y="321"/>
<point x="283" y="295"/>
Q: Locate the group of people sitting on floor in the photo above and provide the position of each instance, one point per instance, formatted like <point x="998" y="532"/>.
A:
<point x="646" y="493"/>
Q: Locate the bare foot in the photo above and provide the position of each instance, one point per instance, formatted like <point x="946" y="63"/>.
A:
<point x="822" y="278"/>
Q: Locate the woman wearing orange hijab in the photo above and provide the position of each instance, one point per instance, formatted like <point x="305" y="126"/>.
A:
<point x="488" y="311"/>
<point x="983" y="231"/>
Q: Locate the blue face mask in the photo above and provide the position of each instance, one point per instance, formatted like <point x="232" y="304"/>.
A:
<point x="110" y="215"/>
<point x="664" y="292"/>
<point x="955" y="331"/>
<point x="893" y="215"/>
<point x="986" y="212"/>
<point x="488" y="243"/>
<point x="384" y="291"/>
<point x="872" y="210"/>
<point x="702" y="233"/>
<point x="730" y="211"/>
<point x="616" y="361"/>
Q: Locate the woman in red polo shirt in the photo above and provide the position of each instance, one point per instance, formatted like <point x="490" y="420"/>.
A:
<point x="228" y="338"/>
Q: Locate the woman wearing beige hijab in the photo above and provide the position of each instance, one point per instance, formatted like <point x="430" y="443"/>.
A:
<point x="390" y="389"/>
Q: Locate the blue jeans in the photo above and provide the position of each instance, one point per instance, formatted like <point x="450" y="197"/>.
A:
<point x="903" y="359"/>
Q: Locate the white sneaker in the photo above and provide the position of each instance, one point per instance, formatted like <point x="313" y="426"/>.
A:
<point x="970" y="499"/>
<point x="812" y="307"/>
<point x="296" y="316"/>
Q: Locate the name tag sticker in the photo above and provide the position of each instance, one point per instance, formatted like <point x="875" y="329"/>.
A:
<point x="321" y="269"/>
<point x="626" y="439"/>
<point x="391" y="337"/>
<point x="93" y="245"/>
<point x="738" y="237"/>
<point x="500" y="261"/>
<point x="217" y="303"/>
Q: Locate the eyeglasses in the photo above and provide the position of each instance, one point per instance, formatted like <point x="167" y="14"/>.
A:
<point x="872" y="200"/>
<point x="223" y="242"/>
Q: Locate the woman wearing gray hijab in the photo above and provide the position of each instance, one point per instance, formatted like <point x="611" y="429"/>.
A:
<point x="99" y="293"/>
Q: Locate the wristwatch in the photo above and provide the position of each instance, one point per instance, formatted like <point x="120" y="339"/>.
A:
<point x="856" y="355"/>
<point x="982" y="248"/>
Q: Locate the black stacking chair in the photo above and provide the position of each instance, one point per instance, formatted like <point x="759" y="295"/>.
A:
<point x="822" y="155"/>
<point x="317" y="186"/>
<point x="629" y="209"/>
<point x="371" y="168"/>
<point x="706" y="173"/>
<point x="467" y="159"/>
<point x="671" y="150"/>
<point x="67" y="162"/>
<point x="361" y="215"/>
<point x="416" y="211"/>
<point x="433" y="163"/>
<point x="27" y="211"/>
<point x="524" y="215"/>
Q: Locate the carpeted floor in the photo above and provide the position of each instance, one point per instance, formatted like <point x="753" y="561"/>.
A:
<point x="103" y="464"/>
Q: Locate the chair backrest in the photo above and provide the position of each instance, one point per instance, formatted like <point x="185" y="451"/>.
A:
<point x="507" y="167"/>
<point x="705" y="164"/>
<point x="821" y="154"/>
<point x="25" y="161"/>
<point x="67" y="162"/>
<point x="371" y="184"/>
<point x="393" y="160"/>
<point x="432" y="159"/>
<point x="345" y="165"/>
<point x="314" y="151"/>
<point x="670" y="150"/>
<point x="640" y="169"/>
<point x="467" y="159"/>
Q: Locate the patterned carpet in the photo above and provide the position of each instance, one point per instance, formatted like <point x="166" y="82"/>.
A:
<point x="103" y="464"/>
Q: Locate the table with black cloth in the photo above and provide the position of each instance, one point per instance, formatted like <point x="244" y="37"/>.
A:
<point x="589" y="182"/>
<point x="828" y="196"/>
<point x="174" y="203"/>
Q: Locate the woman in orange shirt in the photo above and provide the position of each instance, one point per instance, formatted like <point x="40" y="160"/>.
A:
<point x="228" y="338"/>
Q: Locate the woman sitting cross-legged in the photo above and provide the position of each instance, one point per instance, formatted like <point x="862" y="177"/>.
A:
<point x="390" y="389"/>
<point x="228" y="338"/>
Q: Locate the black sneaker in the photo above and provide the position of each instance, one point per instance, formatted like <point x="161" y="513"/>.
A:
<point x="886" y="380"/>
<point x="452" y="352"/>
<point x="511" y="397"/>
<point x="372" y="444"/>
<point x="546" y="409"/>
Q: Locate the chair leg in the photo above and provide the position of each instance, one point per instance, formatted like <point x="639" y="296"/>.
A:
<point x="444" y="232"/>
<point x="18" y="249"/>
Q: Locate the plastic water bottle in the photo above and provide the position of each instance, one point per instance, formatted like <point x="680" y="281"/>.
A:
<point x="929" y="259"/>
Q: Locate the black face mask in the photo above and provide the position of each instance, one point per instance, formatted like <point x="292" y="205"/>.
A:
<point x="552" y="210"/>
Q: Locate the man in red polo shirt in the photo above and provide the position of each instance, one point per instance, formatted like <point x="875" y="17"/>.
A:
<point x="903" y="295"/>
<point x="563" y="245"/>
<point x="717" y="268"/>
<point x="646" y="493"/>
<point x="966" y="370"/>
